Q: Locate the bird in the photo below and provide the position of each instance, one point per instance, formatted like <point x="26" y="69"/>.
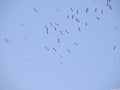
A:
<point x="54" y="49"/>
<point x="56" y="9"/>
<point x="97" y="18"/>
<point x="86" y="23"/>
<point x="46" y="29"/>
<point x="61" y="32"/>
<point x="72" y="16"/>
<point x="87" y="10"/>
<point x="75" y="44"/>
<point x="68" y="17"/>
<point x="55" y="28"/>
<point x="79" y="28"/>
<point x="101" y="11"/>
<point x="7" y="41"/>
<point x="58" y="40"/>
<point x="114" y="47"/>
<point x="71" y="9"/>
<point x="77" y="20"/>
<point x="50" y="23"/>
<point x="95" y="9"/>
<point x="57" y="24"/>
<point x="47" y="48"/>
<point x="60" y="56"/>
<point x="68" y="50"/>
<point x="66" y="31"/>
<point x="77" y="12"/>
<point x="23" y="25"/>
<point x="35" y="9"/>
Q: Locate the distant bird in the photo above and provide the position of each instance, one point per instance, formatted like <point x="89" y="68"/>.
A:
<point x="54" y="49"/>
<point x="23" y="25"/>
<point x="7" y="41"/>
<point x="79" y="28"/>
<point x="47" y="48"/>
<point x="57" y="24"/>
<point x="46" y="29"/>
<point x="97" y="18"/>
<point x="57" y="10"/>
<point x="77" y="12"/>
<point x="71" y="9"/>
<point x="95" y="9"/>
<point x="75" y="44"/>
<point x="58" y="40"/>
<point x="77" y="20"/>
<point x="66" y="31"/>
<point x="101" y="11"/>
<point x="87" y="10"/>
<point x="72" y="16"/>
<point x="68" y="17"/>
<point x="61" y="32"/>
<point x="55" y="28"/>
<point x="114" y="47"/>
<point x="35" y="9"/>
<point x="110" y="7"/>
<point x="60" y="56"/>
<point x="50" y="23"/>
<point x="86" y="23"/>
<point x="61" y="63"/>
<point x="68" y="50"/>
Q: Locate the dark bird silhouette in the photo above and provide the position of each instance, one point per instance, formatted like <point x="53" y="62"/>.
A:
<point x="75" y="44"/>
<point x="79" y="28"/>
<point x="77" y="20"/>
<point x="71" y="9"/>
<point x="61" y="32"/>
<point x="57" y="10"/>
<point x="35" y="9"/>
<point x="46" y="29"/>
<point x="60" y="56"/>
<point x="110" y="7"/>
<point x="87" y="10"/>
<point x="58" y="40"/>
<point x="23" y="25"/>
<point x="54" y="49"/>
<point x="50" y="23"/>
<point x="72" y="16"/>
<point x="68" y="17"/>
<point x="95" y="9"/>
<point x="77" y="12"/>
<point x="86" y="23"/>
<point x="66" y="31"/>
<point x="97" y="18"/>
<point x="101" y="11"/>
<point x="47" y="48"/>
<point x="7" y="41"/>
<point x="55" y="28"/>
<point x="114" y="47"/>
<point x="57" y="24"/>
<point x="68" y="50"/>
<point x="61" y="63"/>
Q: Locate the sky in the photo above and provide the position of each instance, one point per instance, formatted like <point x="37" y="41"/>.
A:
<point x="59" y="44"/>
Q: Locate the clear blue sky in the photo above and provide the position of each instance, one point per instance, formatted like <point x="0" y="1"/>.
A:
<point x="31" y="59"/>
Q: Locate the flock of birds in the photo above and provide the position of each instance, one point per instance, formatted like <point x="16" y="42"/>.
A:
<point x="55" y="25"/>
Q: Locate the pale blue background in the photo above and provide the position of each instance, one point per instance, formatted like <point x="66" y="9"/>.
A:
<point x="26" y="65"/>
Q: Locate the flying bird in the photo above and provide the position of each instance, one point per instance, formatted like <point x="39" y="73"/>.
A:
<point x="97" y="18"/>
<point x="54" y="49"/>
<point x="50" y="23"/>
<point x="71" y="9"/>
<point x="47" y="48"/>
<point x="7" y="41"/>
<point x="79" y="28"/>
<point x="58" y="40"/>
<point x="68" y="50"/>
<point x="23" y="25"/>
<point x="87" y="10"/>
<point x="114" y="47"/>
<point x="75" y="44"/>
<point x="66" y="31"/>
<point x="61" y="32"/>
<point x="72" y="16"/>
<point x="95" y="9"/>
<point x="35" y="9"/>
<point x="77" y="20"/>
<point x="46" y="29"/>
<point x="77" y="12"/>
